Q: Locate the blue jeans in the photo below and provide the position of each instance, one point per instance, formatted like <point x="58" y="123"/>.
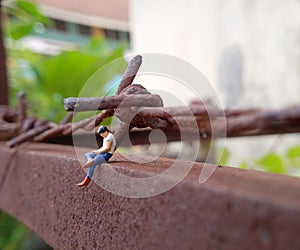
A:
<point x="98" y="159"/>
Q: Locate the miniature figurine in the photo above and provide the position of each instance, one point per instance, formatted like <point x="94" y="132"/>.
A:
<point x="96" y="157"/>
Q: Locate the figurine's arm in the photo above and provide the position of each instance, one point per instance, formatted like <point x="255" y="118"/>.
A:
<point x="105" y="148"/>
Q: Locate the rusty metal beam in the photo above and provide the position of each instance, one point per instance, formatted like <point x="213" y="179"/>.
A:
<point x="234" y="209"/>
<point x="3" y="71"/>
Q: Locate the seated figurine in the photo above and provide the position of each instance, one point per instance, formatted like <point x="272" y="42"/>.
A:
<point x="96" y="157"/>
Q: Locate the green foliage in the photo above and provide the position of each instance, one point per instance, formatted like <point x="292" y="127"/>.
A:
<point x="224" y="157"/>
<point x="284" y="163"/>
<point x="25" y="15"/>
<point x="272" y="163"/>
<point x="243" y="165"/>
<point x="29" y="10"/>
<point x="14" y="235"/>
<point x="48" y="80"/>
<point x="20" y="29"/>
<point x="294" y="152"/>
<point x="287" y="162"/>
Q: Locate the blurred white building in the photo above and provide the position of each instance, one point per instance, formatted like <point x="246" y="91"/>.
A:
<point x="248" y="49"/>
<point x="75" y="22"/>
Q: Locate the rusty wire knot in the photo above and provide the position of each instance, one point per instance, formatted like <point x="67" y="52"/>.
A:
<point x="131" y="115"/>
<point x="133" y="104"/>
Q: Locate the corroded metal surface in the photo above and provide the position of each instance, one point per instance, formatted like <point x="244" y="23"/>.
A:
<point x="234" y="209"/>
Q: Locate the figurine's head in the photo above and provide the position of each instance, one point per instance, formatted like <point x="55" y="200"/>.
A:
<point x="103" y="131"/>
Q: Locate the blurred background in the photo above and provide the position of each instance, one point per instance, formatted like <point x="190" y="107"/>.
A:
<point x="248" y="49"/>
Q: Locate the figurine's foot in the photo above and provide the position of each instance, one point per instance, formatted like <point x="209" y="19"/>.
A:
<point x="89" y="163"/>
<point x="85" y="182"/>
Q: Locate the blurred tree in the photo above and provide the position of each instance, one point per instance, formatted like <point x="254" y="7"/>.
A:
<point x="14" y="235"/>
<point x="47" y="80"/>
<point x="3" y="72"/>
<point x="24" y="16"/>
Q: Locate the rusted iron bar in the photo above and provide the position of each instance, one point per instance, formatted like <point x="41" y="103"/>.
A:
<point x="28" y="123"/>
<point x="8" y="122"/>
<point x="237" y="112"/>
<point x="3" y="69"/>
<point x="251" y="124"/>
<point x="40" y="127"/>
<point x="183" y="111"/>
<point x="109" y="102"/>
<point x="56" y="129"/>
<point x="233" y="208"/>
<point x="129" y="73"/>
<point x="52" y="132"/>
<point x="68" y="118"/>
<point x="121" y="132"/>
<point x="22" y="110"/>
<point x="265" y="122"/>
<point x="256" y="122"/>
<point x="141" y="136"/>
<point x="99" y="118"/>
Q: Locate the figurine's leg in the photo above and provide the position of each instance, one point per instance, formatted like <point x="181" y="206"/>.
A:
<point x="89" y="156"/>
<point x="85" y="182"/>
<point x="90" y="159"/>
<point x="97" y="160"/>
<point x="90" y="162"/>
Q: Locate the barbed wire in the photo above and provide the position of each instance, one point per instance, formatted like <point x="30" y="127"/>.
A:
<point x="136" y="107"/>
